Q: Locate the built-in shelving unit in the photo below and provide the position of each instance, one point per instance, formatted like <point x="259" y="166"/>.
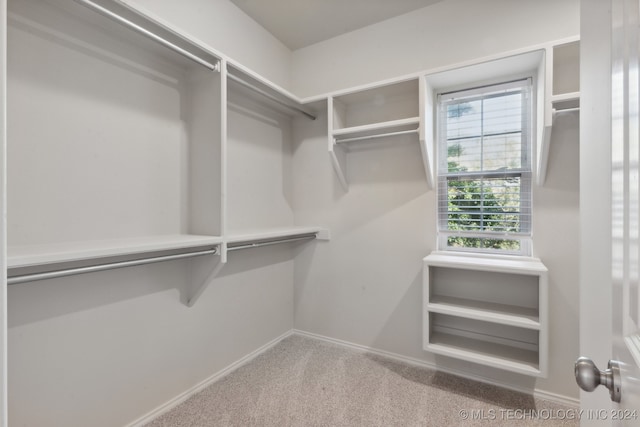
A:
<point x="123" y="178"/>
<point x="379" y="112"/>
<point x="487" y="310"/>
<point x="387" y="109"/>
<point x="133" y="145"/>
<point x="176" y="96"/>
<point x="561" y="95"/>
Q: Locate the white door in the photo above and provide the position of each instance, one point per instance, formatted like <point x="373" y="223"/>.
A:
<point x="4" y="420"/>
<point x="623" y="377"/>
<point x="625" y="198"/>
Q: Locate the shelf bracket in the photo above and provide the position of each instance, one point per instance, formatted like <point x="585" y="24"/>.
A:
<point x="543" y="157"/>
<point x="339" y="162"/>
<point x="202" y="272"/>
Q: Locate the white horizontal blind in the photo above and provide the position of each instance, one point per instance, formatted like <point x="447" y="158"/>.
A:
<point x="484" y="169"/>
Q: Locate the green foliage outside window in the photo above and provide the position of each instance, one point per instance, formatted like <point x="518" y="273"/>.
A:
<point x="474" y="206"/>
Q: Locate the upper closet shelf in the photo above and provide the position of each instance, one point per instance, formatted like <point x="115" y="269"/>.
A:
<point x="161" y="37"/>
<point x="46" y="254"/>
<point x="260" y="91"/>
<point x="167" y="39"/>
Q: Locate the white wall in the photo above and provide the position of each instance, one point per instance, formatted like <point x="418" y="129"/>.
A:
<point x="445" y="33"/>
<point x="223" y="26"/>
<point x="365" y="287"/>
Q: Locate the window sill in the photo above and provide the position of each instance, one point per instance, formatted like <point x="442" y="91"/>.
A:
<point x="486" y="262"/>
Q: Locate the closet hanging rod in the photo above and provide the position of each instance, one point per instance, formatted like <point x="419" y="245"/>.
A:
<point x="101" y="267"/>
<point x="243" y="245"/>
<point x="381" y="135"/>
<point x="566" y="110"/>
<point x="135" y="27"/>
<point x="271" y="97"/>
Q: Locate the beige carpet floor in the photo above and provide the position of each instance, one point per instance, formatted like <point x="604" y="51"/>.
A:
<point x="306" y="382"/>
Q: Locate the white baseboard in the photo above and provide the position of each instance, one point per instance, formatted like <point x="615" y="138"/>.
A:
<point x="207" y="382"/>
<point x="557" y="398"/>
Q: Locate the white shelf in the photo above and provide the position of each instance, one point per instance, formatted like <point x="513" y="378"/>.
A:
<point x="254" y="87"/>
<point x="486" y="311"/>
<point x="145" y="71"/>
<point x="146" y="32"/>
<point x="506" y="264"/>
<point x="34" y="255"/>
<point x="373" y="129"/>
<point x="275" y="233"/>
<point x="565" y="101"/>
<point x="55" y="253"/>
<point x="486" y="353"/>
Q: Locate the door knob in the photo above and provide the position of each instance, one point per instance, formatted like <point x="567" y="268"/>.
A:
<point x="588" y="376"/>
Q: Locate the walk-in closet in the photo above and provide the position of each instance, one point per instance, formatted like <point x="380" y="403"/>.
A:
<point x="232" y="212"/>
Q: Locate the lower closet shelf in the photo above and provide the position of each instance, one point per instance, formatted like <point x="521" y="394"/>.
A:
<point x="486" y="311"/>
<point x="487" y="353"/>
<point x="64" y="252"/>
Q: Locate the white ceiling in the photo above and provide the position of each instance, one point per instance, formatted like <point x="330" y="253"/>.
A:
<point x="300" y="23"/>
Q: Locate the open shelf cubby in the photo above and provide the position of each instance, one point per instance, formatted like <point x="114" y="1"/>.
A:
<point x="369" y="107"/>
<point x="382" y="112"/>
<point x="486" y="310"/>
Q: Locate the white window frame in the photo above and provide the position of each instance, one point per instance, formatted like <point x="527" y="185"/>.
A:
<point x="525" y="172"/>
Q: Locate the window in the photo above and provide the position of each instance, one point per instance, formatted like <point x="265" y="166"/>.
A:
<point x="484" y="169"/>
